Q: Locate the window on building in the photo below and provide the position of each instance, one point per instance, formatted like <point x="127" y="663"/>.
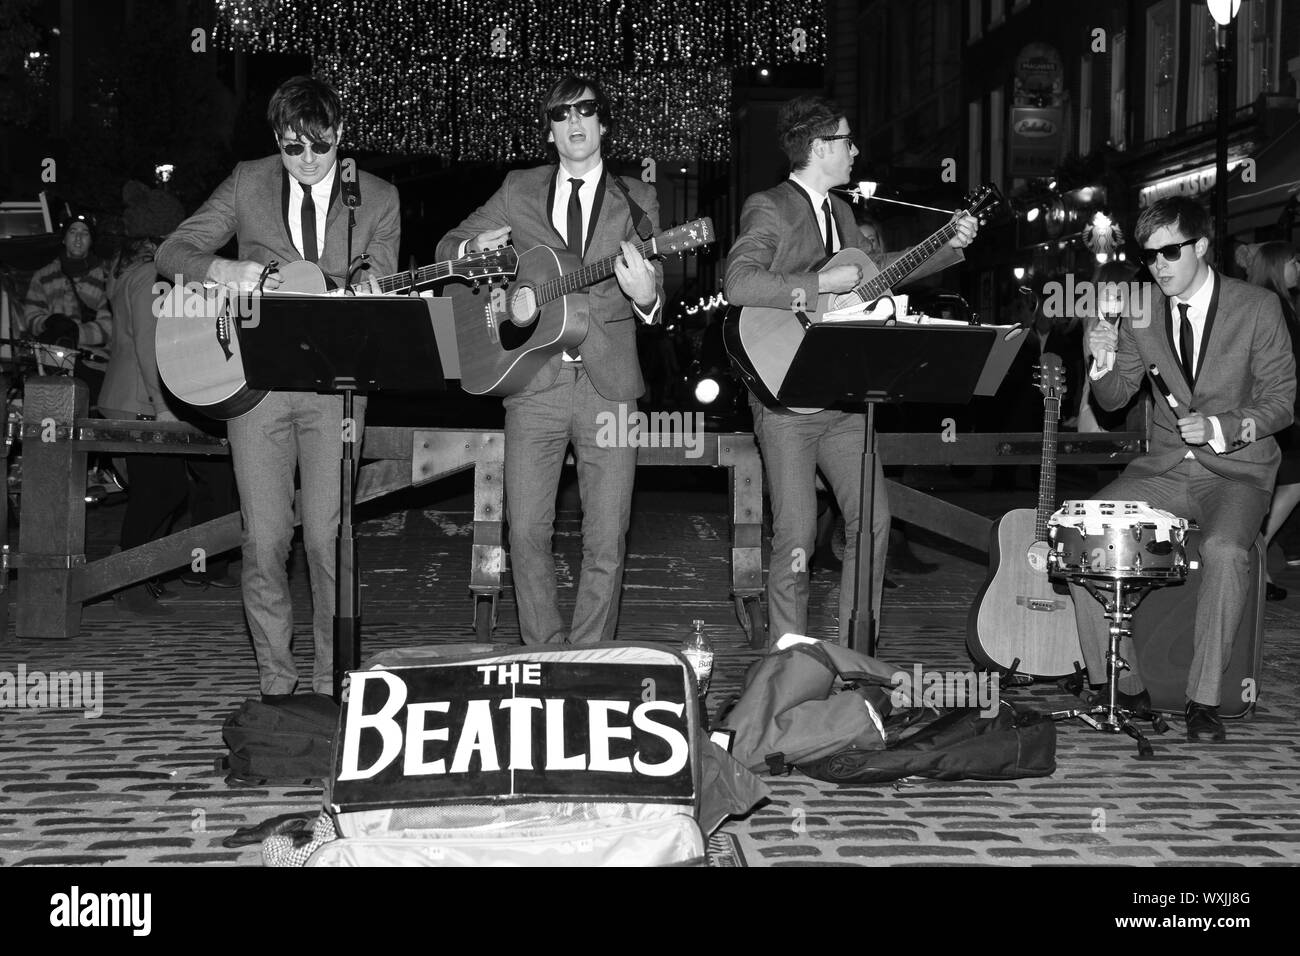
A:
<point x="1259" y="23"/>
<point x="975" y="143"/>
<point x="975" y="11"/>
<point x="1202" y="73"/>
<point x="997" y="12"/>
<point x="997" y="135"/>
<point x="1085" y="105"/>
<point x="1118" y="101"/>
<point x="1162" y="68"/>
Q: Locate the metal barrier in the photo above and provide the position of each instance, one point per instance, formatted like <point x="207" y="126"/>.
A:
<point x="54" y="579"/>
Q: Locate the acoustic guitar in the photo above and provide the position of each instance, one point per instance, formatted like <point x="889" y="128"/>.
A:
<point x="506" y="335"/>
<point x="1020" y="612"/>
<point x="763" y="341"/>
<point x="198" y="343"/>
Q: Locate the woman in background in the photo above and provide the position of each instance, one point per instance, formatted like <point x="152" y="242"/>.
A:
<point x="1275" y="267"/>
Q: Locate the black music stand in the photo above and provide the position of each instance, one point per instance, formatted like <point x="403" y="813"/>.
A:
<point x="851" y="364"/>
<point x="342" y="344"/>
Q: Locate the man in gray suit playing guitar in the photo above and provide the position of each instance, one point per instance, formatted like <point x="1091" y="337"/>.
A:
<point x="785" y="232"/>
<point x="578" y="206"/>
<point x="285" y="208"/>
<point x="1224" y="353"/>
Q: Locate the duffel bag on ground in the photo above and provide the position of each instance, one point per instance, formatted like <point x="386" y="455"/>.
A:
<point x="958" y="743"/>
<point x="288" y="743"/>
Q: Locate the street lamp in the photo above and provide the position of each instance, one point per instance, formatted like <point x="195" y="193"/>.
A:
<point x="1225" y="36"/>
<point x="1223" y="10"/>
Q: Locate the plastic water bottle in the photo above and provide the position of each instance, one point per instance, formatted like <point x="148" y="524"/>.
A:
<point x="698" y="649"/>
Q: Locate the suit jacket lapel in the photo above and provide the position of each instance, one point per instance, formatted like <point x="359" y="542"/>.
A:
<point x="550" y="205"/>
<point x="1210" y="315"/>
<point x="284" y="205"/>
<point x="594" y="220"/>
<point x="808" y="205"/>
<point x="335" y="207"/>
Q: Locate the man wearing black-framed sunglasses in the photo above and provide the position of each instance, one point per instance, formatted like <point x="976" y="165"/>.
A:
<point x="585" y="213"/>
<point x="288" y="207"/>
<point x="1224" y="353"/>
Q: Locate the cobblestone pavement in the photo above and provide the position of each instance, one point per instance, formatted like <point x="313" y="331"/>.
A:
<point x="137" y="784"/>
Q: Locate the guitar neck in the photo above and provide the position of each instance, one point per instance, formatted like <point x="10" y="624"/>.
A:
<point x="905" y="265"/>
<point x="401" y="281"/>
<point x="1047" y="477"/>
<point x="596" y="271"/>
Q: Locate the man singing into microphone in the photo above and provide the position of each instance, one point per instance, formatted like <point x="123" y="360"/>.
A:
<point x="786" y="233"/>
<point x="1224" y="354"/>
<point x="284" y="208"/>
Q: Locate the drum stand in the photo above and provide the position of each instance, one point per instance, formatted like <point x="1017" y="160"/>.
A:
<point x="1108" y="716"/>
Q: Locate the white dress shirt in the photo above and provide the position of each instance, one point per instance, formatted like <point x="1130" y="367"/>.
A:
<point x="320" y="197"/>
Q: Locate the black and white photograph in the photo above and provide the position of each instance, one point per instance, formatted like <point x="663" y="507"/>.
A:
<point x="639" y="434"/>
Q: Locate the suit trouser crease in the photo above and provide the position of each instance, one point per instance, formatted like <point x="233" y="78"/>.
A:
<point x="539" y="428"/>
<point x="290" y="429"/>
<point x="793" y="448"/>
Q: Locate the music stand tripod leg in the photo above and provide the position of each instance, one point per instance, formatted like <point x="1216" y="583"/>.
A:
<point x="864" y="592"/>
<point x="347" y="587"/>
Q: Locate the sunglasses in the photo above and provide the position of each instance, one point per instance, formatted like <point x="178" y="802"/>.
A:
<point x="295" y="149"/>
<point x="1172" y="252"/>
<point x="559" y="114"/>
<point x="848" y="136"/>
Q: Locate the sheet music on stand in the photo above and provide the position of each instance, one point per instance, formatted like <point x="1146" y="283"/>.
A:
<point x="892" y="310"/>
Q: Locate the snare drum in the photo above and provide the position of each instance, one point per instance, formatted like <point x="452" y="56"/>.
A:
<point x="1117" y="540"/>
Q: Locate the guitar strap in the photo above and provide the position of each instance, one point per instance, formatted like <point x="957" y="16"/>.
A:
<point x="640" y="221"/>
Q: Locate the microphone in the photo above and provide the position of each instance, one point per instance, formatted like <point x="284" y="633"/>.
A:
<point x="1158" y="381"/>
<point x="360" y="262"/>
<point x="1108" y="354"/>
<point x="351" y="193"/>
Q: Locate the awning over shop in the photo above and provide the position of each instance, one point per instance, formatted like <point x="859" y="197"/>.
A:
<point x="1276" y="173"/>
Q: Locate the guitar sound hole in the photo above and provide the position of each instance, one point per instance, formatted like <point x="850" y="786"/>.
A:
<point x="514" y="336"/>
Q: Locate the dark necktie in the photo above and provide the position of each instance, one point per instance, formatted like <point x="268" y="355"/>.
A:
<point x="1185" y="343"/>
<point x="309" y="247"/>
<point x="574" y="235"/>
<point x="575" y="218"/>
<point x="830" y="233"/>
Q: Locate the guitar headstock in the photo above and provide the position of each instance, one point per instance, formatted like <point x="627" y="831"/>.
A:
<point x="1050" y="374"/>
<point x="692" y="235"/>
<point x="983" y="202"/>
<point x="486" y="264"/>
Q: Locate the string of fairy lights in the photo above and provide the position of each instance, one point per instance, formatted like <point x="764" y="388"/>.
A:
<point x="461" y="78"/>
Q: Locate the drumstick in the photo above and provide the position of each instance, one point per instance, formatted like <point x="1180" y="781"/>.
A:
<point x="1158" y="380"/>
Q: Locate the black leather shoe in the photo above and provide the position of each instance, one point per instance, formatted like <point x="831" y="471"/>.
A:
<point x="1203" y="721"/>
<point x="1274" y="593"/>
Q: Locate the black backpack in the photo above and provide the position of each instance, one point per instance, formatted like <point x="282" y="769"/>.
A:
<point x="288" y="743"/>
<point x="957" y="743"/>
